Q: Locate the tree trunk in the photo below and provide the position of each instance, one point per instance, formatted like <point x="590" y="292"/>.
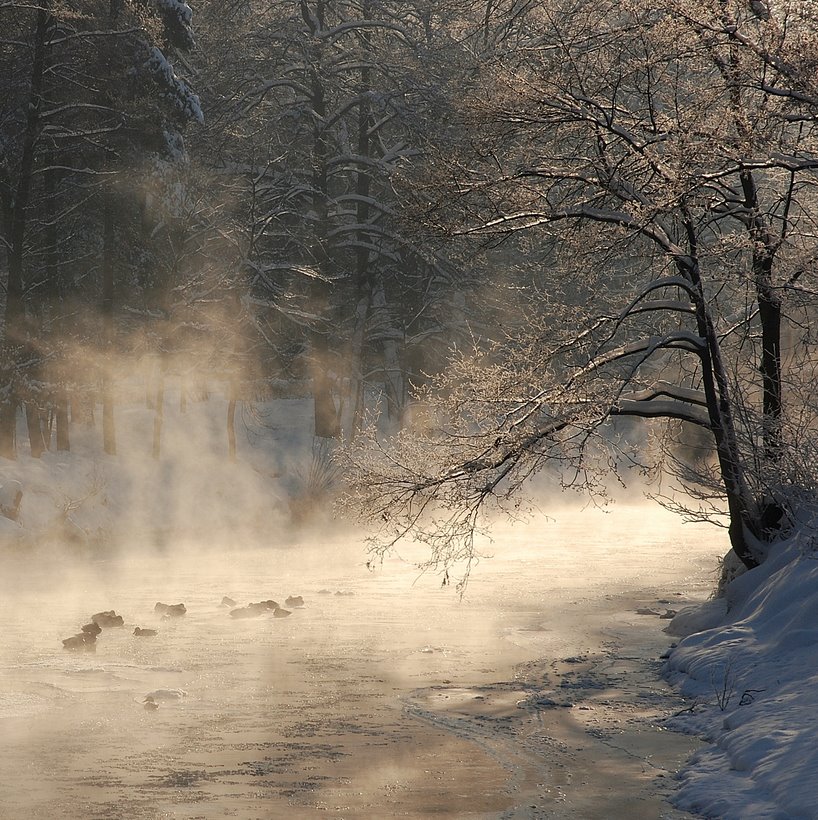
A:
<point x="394" y="377"/>
<point x="63" y="435"/>
<point x="719" y="408"/>
<point x="58" y="418"/>
<point x="34" y="425"/>
<point x="108" y="428"/>
<point x="8" y="428"/>
<point x="231" y="424"/>
<point x="19" y="208"/>
<point x="158" y="415"/>
<point x="769" y="309"/>
<point x="82" y="409"/>
<point x="770" y="314"/>
<point x="150" y="386"/>
<point x="327" y="424"/>
<point x="353" y="396"/>
<point x="15" y="212"/>
<point x="352" y="406"/>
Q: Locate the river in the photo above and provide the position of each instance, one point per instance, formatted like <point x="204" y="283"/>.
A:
<point x="535" y="696"/>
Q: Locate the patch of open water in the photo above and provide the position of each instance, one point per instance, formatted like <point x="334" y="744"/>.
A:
<point x="534" y="696"/>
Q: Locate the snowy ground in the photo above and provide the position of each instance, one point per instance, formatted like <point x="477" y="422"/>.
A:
<point x="753" y="683"/>
<point x="749" y="674"/>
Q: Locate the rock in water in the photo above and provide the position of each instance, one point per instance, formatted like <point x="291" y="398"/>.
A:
<point x="282" y="613"/>
<point x="92" y="628"/>
<point x="11" y="495"/>
<point x="170" y="610"/>
<point x="165" y="694"/>
<point x="294" y="600"/>
<point x="227" y="601"/>
<point x="144" y="633"/>
<point x="247" y="612"/>
<point x="254" y="610"/>
<point x="107" y="619"/>
<point x="82" y="642"/>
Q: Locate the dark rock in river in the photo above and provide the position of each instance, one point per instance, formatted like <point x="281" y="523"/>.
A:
<point x="107" y="619"/>
<point x="294" y="600"/>
<point x="170" y="610"/>
<point x="255" y="610"/>
<point x="82" y="642"/>
<point x="250" y="611"/>
<point x="226" y="601"/>
<point x="144" y="633"/>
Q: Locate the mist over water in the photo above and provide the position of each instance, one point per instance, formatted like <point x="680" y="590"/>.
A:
<point x="386" y="694"/>
<point x="334" y="708"/>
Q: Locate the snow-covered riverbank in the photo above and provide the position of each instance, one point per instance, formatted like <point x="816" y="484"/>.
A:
<point x="752" y="681"/>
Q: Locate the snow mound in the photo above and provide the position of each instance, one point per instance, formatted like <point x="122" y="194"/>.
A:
<point x="754" y="681"/>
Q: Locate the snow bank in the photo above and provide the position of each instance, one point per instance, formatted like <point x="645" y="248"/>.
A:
<point x="753" y="680"/>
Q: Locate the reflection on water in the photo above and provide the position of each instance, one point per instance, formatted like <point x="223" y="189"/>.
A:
<point x="317" y="712"/>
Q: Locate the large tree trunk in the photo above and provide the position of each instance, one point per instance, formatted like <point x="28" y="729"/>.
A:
<point x="327" y="424"/>
<point x="34" y="425"/>
<point x="15" y="219"/>
<point x="108" y="428"/>
<point x="394" y="377"/>
<point x="158" y="415"/>
<point x="769" y="310"/>
<point x="716" y="389"/>
<point x="51" y="309"/>
<point x="352" y="407"/>
<point x="62" y="422"/>
<point x="8" y="428"/>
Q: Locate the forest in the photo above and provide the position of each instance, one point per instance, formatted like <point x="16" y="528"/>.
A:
<point x="281" y="279"/>
<point x="486" y="239"/>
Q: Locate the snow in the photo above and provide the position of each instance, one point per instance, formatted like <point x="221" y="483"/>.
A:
<point x="750" y="668"/>
<point x="179" y="18"/>
<point x="178" y="90"/>
<point x="180" y="10"/>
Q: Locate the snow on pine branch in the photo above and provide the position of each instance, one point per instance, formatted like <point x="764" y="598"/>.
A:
<point x="178" y="18"/>
<point x="177" y="90"/>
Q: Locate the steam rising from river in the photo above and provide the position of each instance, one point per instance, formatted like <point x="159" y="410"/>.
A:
<point x="322" y="710"/>
<point x="313" y="712"/>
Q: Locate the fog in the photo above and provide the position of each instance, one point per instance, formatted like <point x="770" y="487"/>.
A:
<point x="386" y="694"/>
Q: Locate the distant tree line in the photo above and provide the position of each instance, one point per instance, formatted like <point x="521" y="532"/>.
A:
<point x="524" y="221"/>
<point x="222" y="196"/>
